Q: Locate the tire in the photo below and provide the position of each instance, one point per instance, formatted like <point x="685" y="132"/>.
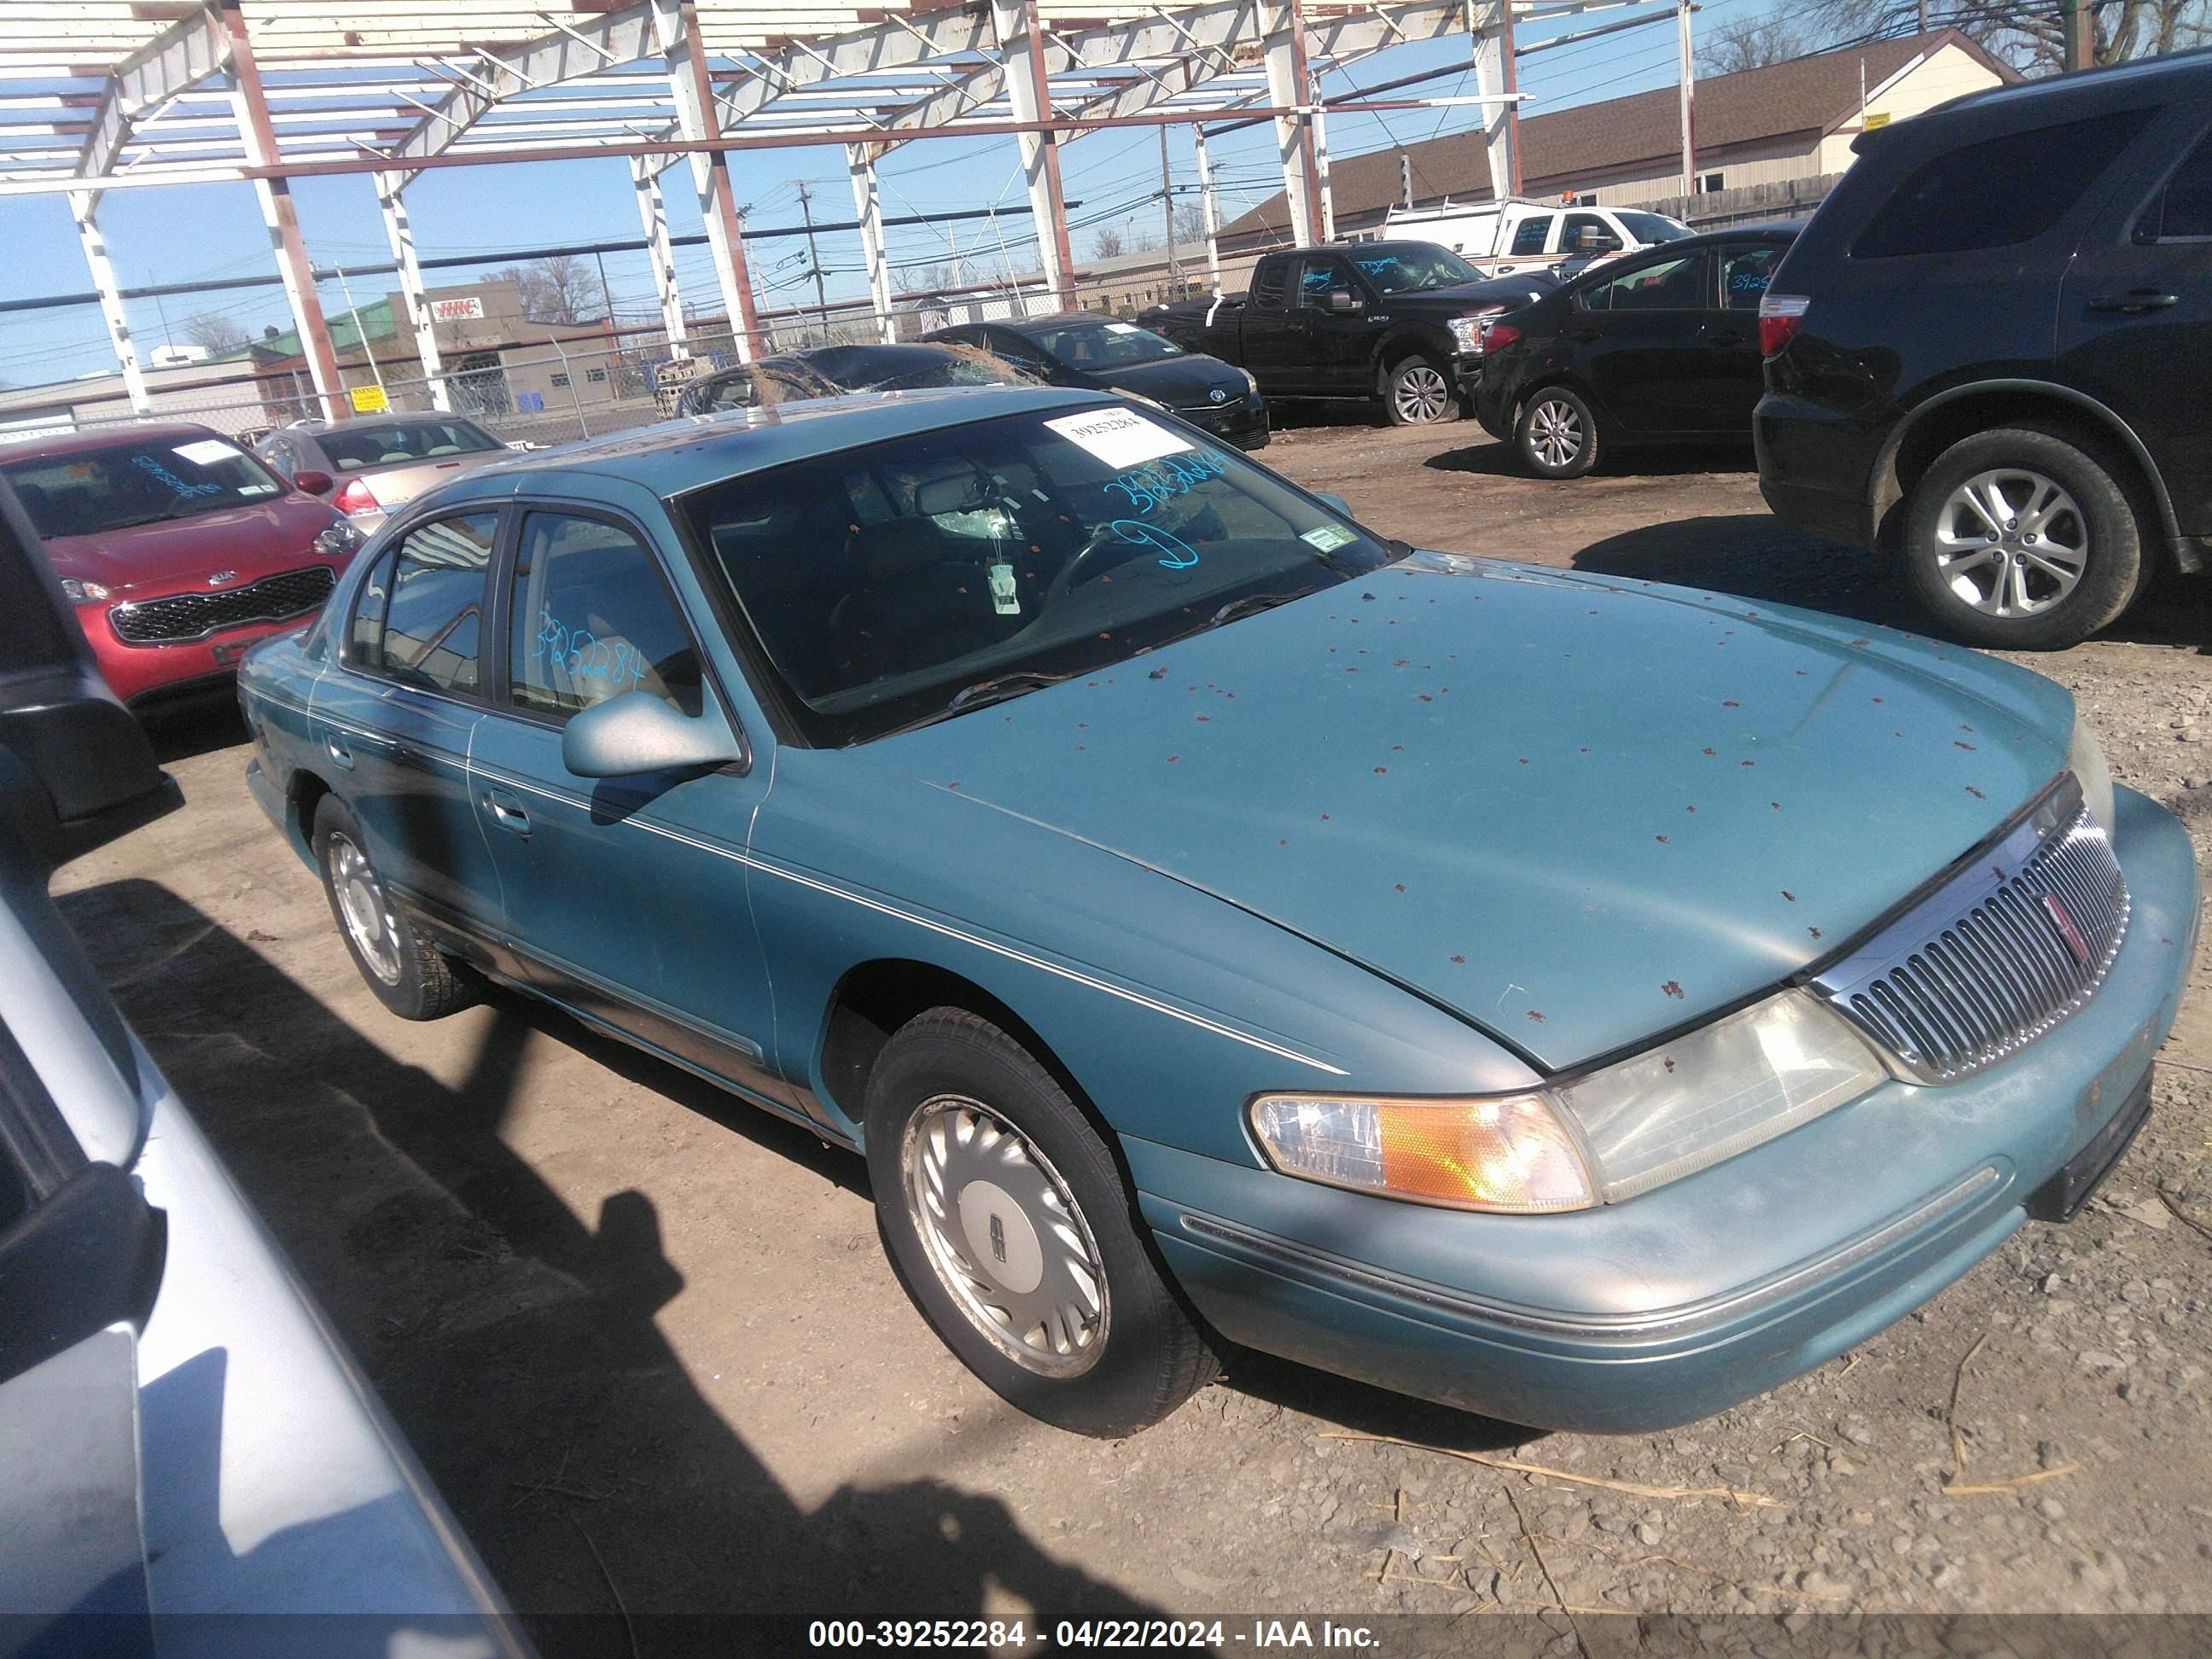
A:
<point x="2023" y="539"/>
<point x="1417" y="391"/>
<point x="410" y="977"/>
<point x="971" y="1146"/>
<point x="1557" y="435"/>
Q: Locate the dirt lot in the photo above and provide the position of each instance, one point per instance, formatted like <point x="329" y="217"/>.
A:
<point x="645" y="1343"/>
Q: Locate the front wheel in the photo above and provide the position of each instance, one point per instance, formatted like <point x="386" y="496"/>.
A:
<point x="1012" y="1230"/>
<point x="2022" y="539"/>
<point x="1557" y="434"/>
<point x="1417" y="392"/>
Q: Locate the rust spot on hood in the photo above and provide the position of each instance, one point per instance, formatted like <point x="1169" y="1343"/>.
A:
<point x="1673" y="988"/>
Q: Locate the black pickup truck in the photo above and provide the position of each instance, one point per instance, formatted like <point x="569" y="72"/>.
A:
<point x="1394" y="322"/>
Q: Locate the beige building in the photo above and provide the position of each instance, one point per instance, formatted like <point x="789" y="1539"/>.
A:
<point x="1769" y="141"/>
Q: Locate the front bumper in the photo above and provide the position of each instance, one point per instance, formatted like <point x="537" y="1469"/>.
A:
<point x="1678" y="1303"/>
<point x="1243" y="422"/>
<point x="140" y="673"/>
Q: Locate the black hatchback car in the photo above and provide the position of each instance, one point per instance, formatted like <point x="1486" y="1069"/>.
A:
<point x="1987" y="354"/>
<point x="1099" y="353"/>
<point x="1662" y="347"/>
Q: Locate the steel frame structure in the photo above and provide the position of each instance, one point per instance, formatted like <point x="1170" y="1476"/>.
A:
<point x="103" y="94"/>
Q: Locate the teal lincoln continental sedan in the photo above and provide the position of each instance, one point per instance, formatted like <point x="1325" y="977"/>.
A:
<point x="1583" y="1002"/>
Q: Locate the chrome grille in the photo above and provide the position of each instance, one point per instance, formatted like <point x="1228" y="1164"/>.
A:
<point x="194" y="616"/>
<point x="1999" y="955"/>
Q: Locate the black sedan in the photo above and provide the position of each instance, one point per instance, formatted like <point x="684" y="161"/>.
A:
<point x="1090" y="349"/>
<point x="1661" y="347"/>
<point x="829" y="371"/>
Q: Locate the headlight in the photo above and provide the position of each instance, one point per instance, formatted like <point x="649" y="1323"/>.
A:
<point x="82" y="593"/>
<point x="1673" y="1110"/>
<point x="336" y="539"/>
<point x="1467" y="331"/>
<point x="2085" y="759"/>
<point x="1251" y="385"/>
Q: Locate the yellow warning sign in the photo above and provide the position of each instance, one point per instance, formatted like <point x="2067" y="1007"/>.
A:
<point x="367" y="399"/>
<point x="1875" y="118"/>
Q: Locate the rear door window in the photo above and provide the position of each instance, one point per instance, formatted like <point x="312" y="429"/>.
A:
<point x="1745" y="273"/>
<point x="432" y="626"/>
<point x="1528" y="236"/>
<point x="1274" y="276"/>
<point x="1999" y="192"/>
<point x="1675" y="284"/>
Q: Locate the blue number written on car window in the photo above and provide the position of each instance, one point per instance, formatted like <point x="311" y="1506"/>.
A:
<point x="1146" y="487"/>
<point x="148" y="463"/>
<point x="1181" y="556"/>
<point x="585" y="656"/>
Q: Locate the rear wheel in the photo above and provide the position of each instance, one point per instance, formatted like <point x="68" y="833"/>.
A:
<point x="2022" y="539"/>
<point x="1557" y="436"/>
<point x="1012" y="1231"/>
<point x="409" y="975"/>
<point x="1419" y="392"/>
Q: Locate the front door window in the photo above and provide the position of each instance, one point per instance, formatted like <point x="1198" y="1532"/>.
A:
<point x="593" y="618"/>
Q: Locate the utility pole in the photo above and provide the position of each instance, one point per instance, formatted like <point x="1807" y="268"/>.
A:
<point x="2074" y="14"/>
<point x="813" y="257"/>
<point x="1205" y="206"/>
<point x="606" y="293"/>
<point x="1167" y="212"/>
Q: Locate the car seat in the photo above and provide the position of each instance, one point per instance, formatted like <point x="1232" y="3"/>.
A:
<point x="914" y="603"/>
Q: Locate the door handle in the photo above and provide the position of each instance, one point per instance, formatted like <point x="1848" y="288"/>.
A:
<point x="1583" y="336"/>
<point x="2135" y="301"/>
<point x="339" y="753"/>
<point x="1731" y="337"/>
<point x="507" y="811"/>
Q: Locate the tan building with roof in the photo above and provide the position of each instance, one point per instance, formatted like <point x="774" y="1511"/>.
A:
<point x="1787" y="123"/>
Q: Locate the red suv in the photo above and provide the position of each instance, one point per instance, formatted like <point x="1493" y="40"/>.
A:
<point x="177" y="547"/>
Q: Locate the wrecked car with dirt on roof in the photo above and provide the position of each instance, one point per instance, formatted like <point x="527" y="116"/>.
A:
<point x="1581" y="1001"/>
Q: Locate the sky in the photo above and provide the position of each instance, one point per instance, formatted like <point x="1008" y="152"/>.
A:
<point x="195" y="232"/>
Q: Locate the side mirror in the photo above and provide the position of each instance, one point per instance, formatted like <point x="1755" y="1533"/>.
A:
<point x="314" y="483"/>
<point x="1333" y="503"/>
<point x="1342" y="304"/>
<point x="639" y="732"/>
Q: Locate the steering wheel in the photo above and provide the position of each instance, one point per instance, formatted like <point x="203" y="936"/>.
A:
<point x="1102" y="537"/>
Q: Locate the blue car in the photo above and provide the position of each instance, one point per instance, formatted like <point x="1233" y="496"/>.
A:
<point x="1586" y="1003"/>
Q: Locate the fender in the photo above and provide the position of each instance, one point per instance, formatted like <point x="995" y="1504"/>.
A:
<point x="1882" y="491"/>
<point x="1432" y="337"/>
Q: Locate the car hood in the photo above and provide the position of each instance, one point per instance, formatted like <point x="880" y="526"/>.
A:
<point x="252" y="540"/>
<point x="1577" y="812"/>
<point x="1178" y="382"/>
<point x="1509" y="291"/>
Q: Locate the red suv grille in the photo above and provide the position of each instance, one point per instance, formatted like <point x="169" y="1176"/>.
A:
<point x="194" y="616"/>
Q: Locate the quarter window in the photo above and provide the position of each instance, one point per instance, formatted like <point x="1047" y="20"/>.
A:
<point x="365" y="636"/>
<point x="2183" y="210"/>
<point x="431" y="624"/>
<point x="1998" y="192"/>
<point x="1745" y="273"/>
<point x="592" y="619"/>
<point x="1528" y="236"/>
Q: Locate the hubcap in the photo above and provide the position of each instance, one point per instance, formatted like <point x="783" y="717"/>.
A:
<point x="1006" y="1237"/>
<point x="2011" y="542"/>
<point x="370" y="922"/>
<point x="1555" y="432"/>
<point x="1422" y="394"/>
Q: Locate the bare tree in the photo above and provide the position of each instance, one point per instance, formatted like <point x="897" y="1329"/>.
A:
<point x="1189" y="222"/>
<point x="557" y="288"/>
<point x="1750" y="43"/>
<point x="1106" y="243"/>
<point x="218" y="334"/>
<point x="2031" y="34"/>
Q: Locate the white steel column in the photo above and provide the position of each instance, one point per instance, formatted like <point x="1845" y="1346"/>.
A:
<point x="1205" y="206"/>
<point x="1289" y="87"/>
<point x="868" y="208"/>
<point x="401" y="235"/>
<point x="653" y="214"/>
<point x="84" y="208"/>
<point x="675" y="29"/>
<point x="1495" y="73"/>
<point x="1689" y="99"/>
<point x="1321" y="161"/>
<point x="1021" y="44"/>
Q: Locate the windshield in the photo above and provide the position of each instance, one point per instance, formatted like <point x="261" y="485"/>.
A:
<point x="909" y="369"/>
<point x="1101" y="344"/>
<point x="1409" y="267"/>
<point x="1652" y="229"/>
<point x="141" y="481"/>
<point x="356" y="448"/>
<point x="881" y="581"/>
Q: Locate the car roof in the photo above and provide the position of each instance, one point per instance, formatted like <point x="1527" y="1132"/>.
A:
<point x="84" y="439"/>
<point x="1770" y="230"/>
<point x="674" y="456"/>
<point x="2098" y="87"/>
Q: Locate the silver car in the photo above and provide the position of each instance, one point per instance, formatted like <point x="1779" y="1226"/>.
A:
<point x="367" y="467"/>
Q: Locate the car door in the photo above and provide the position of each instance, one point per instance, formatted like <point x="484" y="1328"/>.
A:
<point x="1636" y="331"/>
<point x="1337" y="340"/>
<point x="395" y="719"/>
<point x="1271" y="330"/>
<point x="626" y="897"/>
<point x="1732" y="365"/>
<point x="2135" y="318"/>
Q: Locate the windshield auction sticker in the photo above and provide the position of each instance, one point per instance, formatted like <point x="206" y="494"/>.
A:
<point x="1118" y="437"/>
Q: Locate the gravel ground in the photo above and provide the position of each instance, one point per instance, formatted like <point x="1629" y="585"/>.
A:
<point x="645" y="1341"/>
